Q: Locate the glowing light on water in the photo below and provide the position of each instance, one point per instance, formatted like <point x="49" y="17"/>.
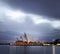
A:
<point x="53" y="47"/>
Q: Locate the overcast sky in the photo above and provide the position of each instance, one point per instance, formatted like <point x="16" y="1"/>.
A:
<point x="39" y="18"/>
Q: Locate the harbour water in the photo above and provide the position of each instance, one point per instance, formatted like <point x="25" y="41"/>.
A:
<point x="28" y="49"/>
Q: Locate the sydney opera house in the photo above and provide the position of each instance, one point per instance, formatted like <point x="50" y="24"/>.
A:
<point x="26" y="40"/>
<point x="23" y="40"/>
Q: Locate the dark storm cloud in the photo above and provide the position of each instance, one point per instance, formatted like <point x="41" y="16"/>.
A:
<point x="50" y="8"/>
<point x="55" y="34"/>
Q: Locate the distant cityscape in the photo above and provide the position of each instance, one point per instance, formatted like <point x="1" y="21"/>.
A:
<point x="27" y="40"/>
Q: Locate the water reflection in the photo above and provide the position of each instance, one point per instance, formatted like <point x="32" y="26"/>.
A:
<point x="28" y="50"/>
<point x="12" y="50"/>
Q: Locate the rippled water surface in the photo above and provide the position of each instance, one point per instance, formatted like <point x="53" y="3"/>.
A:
<point x="28" y="50"/>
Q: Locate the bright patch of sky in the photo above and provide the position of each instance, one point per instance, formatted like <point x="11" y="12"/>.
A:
<point x="20" y="16"/>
